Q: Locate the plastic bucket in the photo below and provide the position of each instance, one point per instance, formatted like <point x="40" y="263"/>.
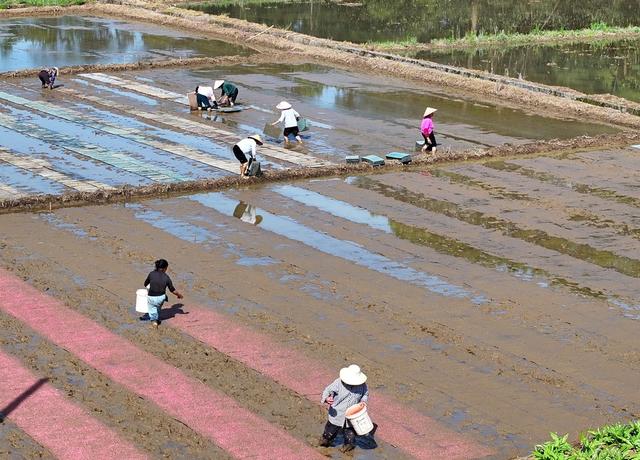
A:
<point x="359" y="419"/>
<point x="141" y="301"/>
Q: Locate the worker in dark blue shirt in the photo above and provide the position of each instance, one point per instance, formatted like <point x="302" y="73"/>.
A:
<point x="158" y="282"/>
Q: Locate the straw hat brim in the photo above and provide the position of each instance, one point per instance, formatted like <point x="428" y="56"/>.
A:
<point x="429" y="111"/>
<point x="352" y="378"/>
<point x="217" y="84"/>
<point x="284" y="105"/>
<point x="257" y="138"/>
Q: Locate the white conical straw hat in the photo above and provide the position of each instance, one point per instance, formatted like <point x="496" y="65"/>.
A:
<point x="352" y="375"/>
<point x="284" y="105"/>
<point x="217" y="84"/>
<point x="257" y="138"/>
<point x="429" y="111"/>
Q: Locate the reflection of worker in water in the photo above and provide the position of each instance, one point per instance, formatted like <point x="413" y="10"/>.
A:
<point x="158" y="282"/>
<point x="347" y="390"/>
<point x="229" y="92"/>
<point x="245" y="150"/>
<point x="48" y="77"/>
<point x="289" y="117"/>
<point x="426" y="128"/>
<point x="247" y="213"/>
<point x="205" y="98"/>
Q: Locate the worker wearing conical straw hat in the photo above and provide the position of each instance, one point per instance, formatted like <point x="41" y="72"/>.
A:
<point x="347" y="390"/>
<point x="289" y="117"/>
<point x="245" y="151"/>
<point x="426" y="129"/>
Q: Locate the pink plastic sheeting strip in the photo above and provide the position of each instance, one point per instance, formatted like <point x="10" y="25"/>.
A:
<point x="412" y="432"/>
<point x="213" y="414"/>
<point x="53" y="421"/>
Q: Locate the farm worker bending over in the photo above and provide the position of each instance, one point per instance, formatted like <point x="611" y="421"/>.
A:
<point x="245" y="150"/>
<point x="290" y="118"/>
<point x="205" y="98"/>
<point x="229" y="92"/>
<point x="158" y="281"/>
<point x="344" y="392"/>
<point x="48" y="77"/>
<point x="426" y="128"/>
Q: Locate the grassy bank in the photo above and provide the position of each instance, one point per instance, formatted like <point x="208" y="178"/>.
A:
<point x="597" y="31"/>
<point x="612" y="442"/>
<point x="6" y="4"/>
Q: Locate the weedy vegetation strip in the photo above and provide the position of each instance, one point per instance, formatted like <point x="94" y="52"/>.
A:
<point x="122" y="194"/>
<point x="611" y="442"/>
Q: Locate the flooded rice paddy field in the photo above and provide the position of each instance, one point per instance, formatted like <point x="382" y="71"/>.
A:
<point x="488" y="302"/>
<point x="423" y="20"/>
<point x="592" y="68"/>
<point x="100" y="131"/>
<point x="74" y="40"/>
<point x="492" y="301"/>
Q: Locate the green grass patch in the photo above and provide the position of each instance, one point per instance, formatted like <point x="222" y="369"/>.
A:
<point x="6" y="4"/>
<point x="595" y="30"/>
<point x="611" y="442"/>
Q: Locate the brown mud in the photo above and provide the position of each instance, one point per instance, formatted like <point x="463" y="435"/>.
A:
<point x="505" y="372"/>
<point x="561" y="101"/>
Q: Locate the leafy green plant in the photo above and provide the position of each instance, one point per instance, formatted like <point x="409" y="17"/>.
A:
<point x="612" y="442"/>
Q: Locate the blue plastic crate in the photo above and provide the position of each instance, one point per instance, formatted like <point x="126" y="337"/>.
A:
<point x="403" y="158"/>
<point x="373" y="160"/>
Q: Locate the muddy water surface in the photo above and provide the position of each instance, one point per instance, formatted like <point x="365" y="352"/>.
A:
<point x="360" y="114"/>
<point x="422" y="20"/>
<point x="74" y="40"/>
<point x="595" y="68"/>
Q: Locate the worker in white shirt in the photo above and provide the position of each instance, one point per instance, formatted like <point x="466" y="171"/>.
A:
<point x="289" y="117"/>
<point x="245" y="150"/>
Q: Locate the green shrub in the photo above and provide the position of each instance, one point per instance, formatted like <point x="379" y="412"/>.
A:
<point x="612" y="442"/>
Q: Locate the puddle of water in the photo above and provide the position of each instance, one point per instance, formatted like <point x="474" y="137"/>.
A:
<point x="73" y="40"/>
<point x="604" y="259"/>
<point x="60" y="132"/>
<point x="187" y="231"/>
<point x="441" y="243"/>
<point x="135" y="96"/>
<point x="66" y="162"/>
<point x="373" y="20"/>
<point x="289" y="228"/>
<point x="28" y="182"/>
<point x="593" y="68"/>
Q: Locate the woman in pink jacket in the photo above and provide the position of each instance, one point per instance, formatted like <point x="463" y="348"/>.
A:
<point x="426" y="128"/>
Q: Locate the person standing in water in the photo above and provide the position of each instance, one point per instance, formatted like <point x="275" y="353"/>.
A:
<point x="426" y="128"/>
<point x="347" y="390"/>
<point x="48" y="77"/>
<point x="229" y="92"/>
<point x="158" y="282"/>
<point x="289" y="117"/>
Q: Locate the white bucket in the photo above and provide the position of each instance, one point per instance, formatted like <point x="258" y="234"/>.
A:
<point x="141" y="301"/>
<point x="359" y="419"/>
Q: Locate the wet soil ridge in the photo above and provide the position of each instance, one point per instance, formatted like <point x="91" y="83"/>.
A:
<point x="144" y="65"/>
<point x="171" y="187"/>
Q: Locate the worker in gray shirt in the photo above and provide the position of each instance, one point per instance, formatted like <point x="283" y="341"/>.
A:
<point x="344" y="392"/>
